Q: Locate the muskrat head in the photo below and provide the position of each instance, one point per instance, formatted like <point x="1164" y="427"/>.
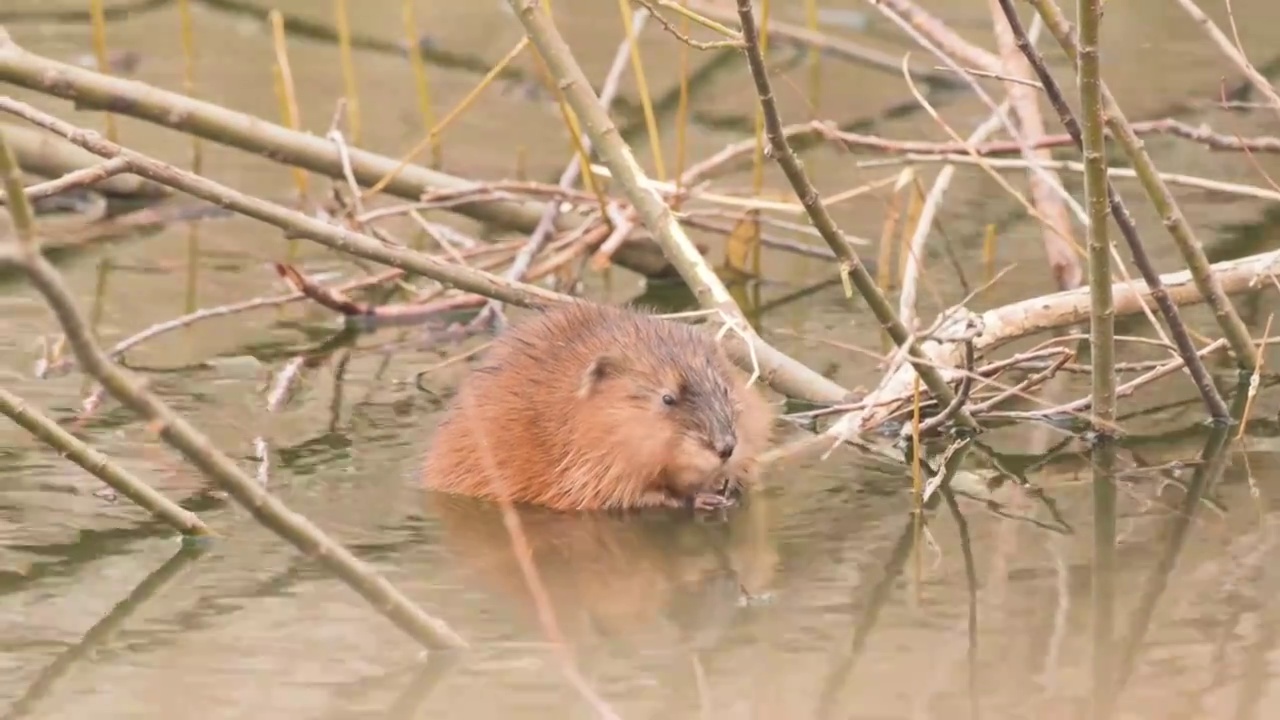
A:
<point x="681" y="410"/>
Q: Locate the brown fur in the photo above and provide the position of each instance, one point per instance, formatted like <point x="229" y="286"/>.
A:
<point x="568" y="411"/>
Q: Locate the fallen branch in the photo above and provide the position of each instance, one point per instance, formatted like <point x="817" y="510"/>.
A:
<point x="1005" y="324"/>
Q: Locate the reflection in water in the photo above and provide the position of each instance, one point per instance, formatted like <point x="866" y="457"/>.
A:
<point x="151" y="586"/>
<point x="618" y="576"/>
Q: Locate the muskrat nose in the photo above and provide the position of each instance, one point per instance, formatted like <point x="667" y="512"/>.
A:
<point x="725" y="447"/>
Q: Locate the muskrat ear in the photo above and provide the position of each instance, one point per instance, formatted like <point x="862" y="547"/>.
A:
<point x="598" y="370"/>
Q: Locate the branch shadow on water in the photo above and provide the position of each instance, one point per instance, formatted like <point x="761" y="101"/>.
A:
<point x="830" y="700"/>
<point x="1213" y="460"/>
<point x="164" y="576"/>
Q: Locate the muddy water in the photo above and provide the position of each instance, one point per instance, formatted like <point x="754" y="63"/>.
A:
<point x="810" y="604"/>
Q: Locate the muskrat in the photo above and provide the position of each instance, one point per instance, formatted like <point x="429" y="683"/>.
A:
<point x="593" y="407"/>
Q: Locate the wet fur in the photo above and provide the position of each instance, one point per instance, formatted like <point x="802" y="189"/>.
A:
<point x="566" y="412"/>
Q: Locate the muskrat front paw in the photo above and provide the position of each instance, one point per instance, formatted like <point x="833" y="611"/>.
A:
<point x="712" y="501"/>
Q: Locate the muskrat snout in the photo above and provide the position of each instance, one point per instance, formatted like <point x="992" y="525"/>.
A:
<point x="724" y="446"/>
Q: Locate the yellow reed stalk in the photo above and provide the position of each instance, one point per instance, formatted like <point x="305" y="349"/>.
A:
<point x="522" y="163"/>
<point x="758" y="160"/>
<point x="421" y="81"/>
<point x="989" y="253"/>
<point x="682" y="107"/>
<point x="283" y="76"/>
<point x="98" y="22"/>
<point x="1255" y="380"/>
<point x="917" y="488"/>
<point x="570" y="122"/>
<point x="189" y="75"/>
<point x="448" y="119"/>
<point x="351" y="90"/>
<point x="193" y="267"/>
<point x="914" y="208"/>
<point x="285" y="90"/>
<point x="646" y="102"/>
<point x="814" y="58"/>
<point x="197" y="150"/>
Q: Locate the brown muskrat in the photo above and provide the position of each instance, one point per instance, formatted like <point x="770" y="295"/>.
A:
<point x="591" y="407"/>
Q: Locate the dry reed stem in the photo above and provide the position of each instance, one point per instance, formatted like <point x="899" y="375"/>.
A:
<point x="1113" y="172"/>
<point x="286" y="93"/>
<point x="682" y="108"/>
<point x="98" y="23"/>
<point x="349" y="82"/>
<point x="1233" y="328"/>
<point x="632" y="40"/>
<point x="436" y="130"/>
<point x="189" y="74"/>
<point x="851" y="267"/>
<point x="255" y="135"/>
<point x="1044" y="182"/>
<point x="420" y="78"/>
<point x="101" y="466"/>
<point x="778" y="370"/>
<point x="25" y="253"/>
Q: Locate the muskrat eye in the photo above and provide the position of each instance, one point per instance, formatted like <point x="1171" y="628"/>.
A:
<point x="668" y="399"/>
